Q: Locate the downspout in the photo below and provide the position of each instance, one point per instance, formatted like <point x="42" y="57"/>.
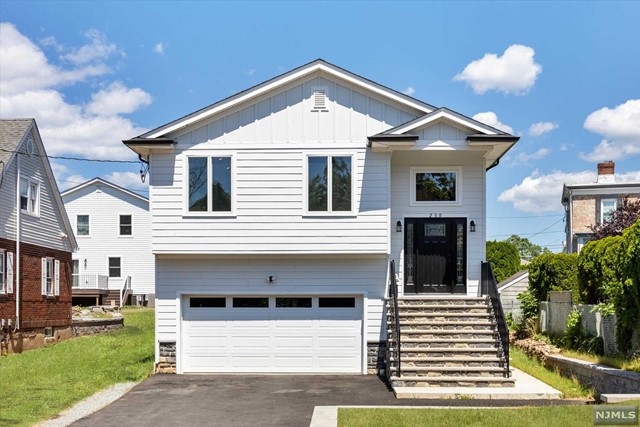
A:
<point x="17" y="272"/>
<point x="570" y="224"/>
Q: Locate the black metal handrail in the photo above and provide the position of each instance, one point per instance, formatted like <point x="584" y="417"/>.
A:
<point x="489" y="287"/>
<point x="395" y="327"/>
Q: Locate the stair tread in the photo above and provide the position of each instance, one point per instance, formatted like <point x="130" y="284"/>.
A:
<point x="451" y="359"/>
<point x="450" y="368"/>
<point x="452" y="378"/>
<point x="443" y="306"/>
<point x="452" y="340"/>
<point x="455" y="322"/>
<point x="449" y="349"/>
<point x="443" y="314"/>
<point x="447" y="331"/>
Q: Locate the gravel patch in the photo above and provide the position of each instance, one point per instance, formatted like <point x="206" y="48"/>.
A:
<point x="89" y="405"/>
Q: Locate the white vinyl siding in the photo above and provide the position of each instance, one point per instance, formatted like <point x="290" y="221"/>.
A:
<point x="42" y="230"/>
<point x="105" y="205"/>
<point x="294" y="275"/>
<point x="471" y="193"/>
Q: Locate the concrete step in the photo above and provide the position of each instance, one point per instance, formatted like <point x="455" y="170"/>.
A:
<point x="443" y="317"/>
<point x="450" y="352"/>
<point x="451" y="381"/>
<point x="430" y="308"/>
<point x="445" y="342"/>
<point x="447" y="334"/>
<point x="440" y="300"/>
<point x="447" y="371"/>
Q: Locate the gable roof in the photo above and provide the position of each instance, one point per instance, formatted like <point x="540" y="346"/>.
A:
<point x="446" y="113"/>
<point x="281" y="80"/>
<point x="101" y="181"/>
<point x="509" y="281"/>
<point x="13" y="132"/>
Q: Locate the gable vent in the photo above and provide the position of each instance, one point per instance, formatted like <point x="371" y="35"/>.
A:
<point x="319" y="99"/>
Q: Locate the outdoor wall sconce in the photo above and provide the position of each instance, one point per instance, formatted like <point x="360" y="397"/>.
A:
<point x="399" y="226"/>
<point x="271" y="279"/>
<point x="472" y="226"/>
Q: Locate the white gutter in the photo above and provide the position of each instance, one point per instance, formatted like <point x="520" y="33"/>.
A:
<point x="17" y="273"/>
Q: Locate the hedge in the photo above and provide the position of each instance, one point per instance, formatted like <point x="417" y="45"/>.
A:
<point x="504" y="258"/>
<point x="554" y="272"/>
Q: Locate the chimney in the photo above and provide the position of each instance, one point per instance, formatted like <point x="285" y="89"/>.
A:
<point x="606" y="172"/>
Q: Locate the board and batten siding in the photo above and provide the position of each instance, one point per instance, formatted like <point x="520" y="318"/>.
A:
<point x="45" y="229"/>
<point x="318" y="275"/>
<point x="269" y="141"/>
<point x="472" y="206"/>
<point x="104" y="205"/>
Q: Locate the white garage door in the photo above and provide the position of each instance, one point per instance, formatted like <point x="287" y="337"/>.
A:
<point x="272" y="334"/>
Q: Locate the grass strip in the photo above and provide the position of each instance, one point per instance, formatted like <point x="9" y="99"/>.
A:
<point x="39" y="384"/>
<point x="548" y="416"/>
<point x="569" y="387"/>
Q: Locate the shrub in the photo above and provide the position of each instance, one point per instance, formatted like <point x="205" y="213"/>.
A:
<point x="553" y="272"/>
<point x="576" y="338"/>
<point x="504" y="259"/>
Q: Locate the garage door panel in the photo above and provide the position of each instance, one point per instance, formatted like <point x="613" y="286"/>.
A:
<point x="283" y="340"/>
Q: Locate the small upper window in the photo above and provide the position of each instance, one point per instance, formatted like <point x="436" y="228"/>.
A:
<point x="329" y="182"/>
<point x="607" y="207"/>
<point x="435" y="186"/>
<point x="115" y="267"/>
<point x="209" y="184"/>
<point x="82" y="225"/>
<point x="126" y="225"/>
<point x="29" y="196"/>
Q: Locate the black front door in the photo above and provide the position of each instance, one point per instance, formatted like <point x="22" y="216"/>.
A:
<point x="435" y="255"/>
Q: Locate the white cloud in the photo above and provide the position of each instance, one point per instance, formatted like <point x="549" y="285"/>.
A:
<point x="540" y="128"/>
<point x="159" y="48"/>
<point x="29" y="88"/>
<point x="541" y="193"/>
<point x="409" y="91"/>
<point x="24" y="67"/>
<point x="620" y="128"/>
<point x="129" y="180"/>
<point x="565" y="147"/>
<point x="99" y="48"/>
<point x="525" y="158"/>
<point x="250" y="72"/>
<point x="515" y="72"/>
<point x="116" y="99"/>
<point x="490" y="118"/>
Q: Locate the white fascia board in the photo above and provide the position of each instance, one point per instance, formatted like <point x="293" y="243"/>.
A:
<point x="103" y="182"/>
<point x="285" y="80"/>
<point x="516" y="280"/>
<point x="439" y="115"/>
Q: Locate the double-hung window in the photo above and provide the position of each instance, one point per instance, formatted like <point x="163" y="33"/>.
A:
<point x="29" y="195"/>
<point x="607" y="207"/>
<point x="50" y="276"/>
<point x="210" y="185"/>
<point x="329" y="184"/>
<point x="2" y="273"/>
<point x="115" y="267"/>
<point x="126" y="225"/>
<point x="82" y="225"/>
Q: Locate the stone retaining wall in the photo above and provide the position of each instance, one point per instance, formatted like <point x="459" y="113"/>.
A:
<point x="83" y="327"/>
<point x="375" y="357"/>
<point x="167" y="358"/>
<point x="603" y="379"/>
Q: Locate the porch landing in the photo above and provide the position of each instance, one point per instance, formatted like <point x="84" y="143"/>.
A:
<point x="525" y="387"/>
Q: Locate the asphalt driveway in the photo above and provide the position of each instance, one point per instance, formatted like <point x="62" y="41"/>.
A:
<point x="253" y="400"/>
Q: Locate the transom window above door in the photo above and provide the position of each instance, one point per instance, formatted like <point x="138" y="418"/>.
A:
<point x="329" y="184"/>
<point x="210" y="185"/>
<point x="435" y="186"/>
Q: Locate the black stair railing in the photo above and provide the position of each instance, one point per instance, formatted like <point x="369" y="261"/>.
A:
<point x="489" y="287"/>
<point x="394" y="327"/>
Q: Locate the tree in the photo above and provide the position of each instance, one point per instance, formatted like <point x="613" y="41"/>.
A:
<point x="554" y="272"/>
<point x="526" y="249"/>
<point x="623" y="217"/>
<point x="504" y="259"/>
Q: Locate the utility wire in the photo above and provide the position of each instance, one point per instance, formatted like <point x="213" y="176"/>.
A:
<point x="75" y="158"/>
<point x="526" y="216"/>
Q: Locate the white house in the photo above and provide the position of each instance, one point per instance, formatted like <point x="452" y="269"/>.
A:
<point x="275" y="213"/>
<point x="113" y="228"/>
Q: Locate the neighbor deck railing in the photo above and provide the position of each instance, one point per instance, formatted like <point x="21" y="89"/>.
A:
<point x="90" y="281"/>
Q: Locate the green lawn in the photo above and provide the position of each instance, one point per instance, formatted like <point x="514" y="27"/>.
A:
<point x="554" y="416"/>
<point x="568" y="387"/>
<point x="38" y="384"/>
<point x="613" y="361"/>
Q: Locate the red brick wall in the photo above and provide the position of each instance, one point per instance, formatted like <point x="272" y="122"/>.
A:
<point x="37" y="310"/>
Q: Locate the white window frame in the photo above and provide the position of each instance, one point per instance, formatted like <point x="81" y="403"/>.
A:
<point x="413" y="171"/>
<point x="109" y="269"/>
<point x="50" y="284"/>
<point x="305" y="185"/>
<point x="120" y="225"/>
<point x="3" y="274"/>
<point x="33" y="204"/>
<point x="602" y="201"/>
<point x="89" y="221"/>
<point x="209" y="212"/>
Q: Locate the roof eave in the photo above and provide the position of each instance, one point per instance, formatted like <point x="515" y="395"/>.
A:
<point x="144" y="146"/>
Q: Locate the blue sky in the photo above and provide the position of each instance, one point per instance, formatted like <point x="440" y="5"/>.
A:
<point x="94" y="73"/>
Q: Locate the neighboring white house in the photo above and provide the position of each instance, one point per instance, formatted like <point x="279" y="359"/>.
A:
<point x="113" y="228"/>
<point x="276" y="211"/>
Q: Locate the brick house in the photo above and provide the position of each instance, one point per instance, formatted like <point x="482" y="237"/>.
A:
<point x="589" y="204"/>
<point x="36" y="242"/>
